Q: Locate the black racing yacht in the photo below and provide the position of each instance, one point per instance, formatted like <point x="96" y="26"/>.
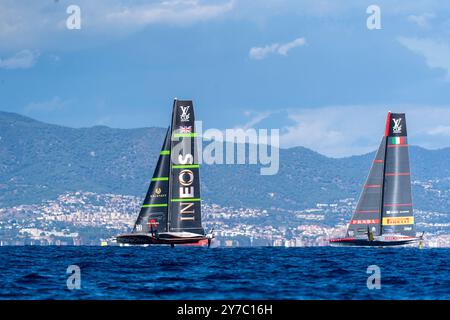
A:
<point x="171" y="212"/>
<point x="384" y="213"/>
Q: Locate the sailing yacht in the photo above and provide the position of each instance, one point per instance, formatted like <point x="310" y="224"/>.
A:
<point x="384" y="213"/>
<point x="171" y="212"/>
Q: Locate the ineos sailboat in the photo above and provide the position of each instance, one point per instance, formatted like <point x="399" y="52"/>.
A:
<point x="384" y="213"/>
<point x="171" y="212"/>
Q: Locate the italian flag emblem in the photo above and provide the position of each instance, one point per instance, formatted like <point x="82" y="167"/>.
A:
<point x="398" y="140"/>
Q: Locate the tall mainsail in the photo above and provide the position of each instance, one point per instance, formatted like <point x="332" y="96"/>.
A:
<point x="385" y="204"/>
<point x="384" y="213"/>
<point x="184" y="194"/>
<point x="171" y="212"/>
<point x="397" y="214"/>
<point x="367" y="216"/>
<point x="153" y="215"/>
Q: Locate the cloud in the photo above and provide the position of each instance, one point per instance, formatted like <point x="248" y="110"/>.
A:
<point x="284" y="48"/>
<point x="440" y="131"/>
<point x="340" y="131"/>
<point x="422" y="20"/>
<point x="54" y="104"/>
<point x="332" y="131"/>
<point x="103" y="121"/>
<point x="436" y="53"/>
<point x="41" y="23"/>
<point x="21" y="60"/>
<point x="54" y="58"/>
<point x="172" y="11"/>
<point x="256" y="117"/>
<point x="260" y="53"/>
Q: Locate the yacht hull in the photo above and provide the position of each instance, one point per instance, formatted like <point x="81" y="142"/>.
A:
<point x="385" y="242"/>
<point x="140" y="239"/>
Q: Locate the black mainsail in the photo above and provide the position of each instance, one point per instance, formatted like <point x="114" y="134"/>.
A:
<point x="384" y="213"/>
<point x="171" y="212"/>
<point x="184" y="205"/>
<point x="153" y="215"/>
<point x="397" y="215"/>
<point x="368" y="210"/>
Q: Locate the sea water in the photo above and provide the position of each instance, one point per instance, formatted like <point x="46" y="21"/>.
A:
<point x="33" y="272"/>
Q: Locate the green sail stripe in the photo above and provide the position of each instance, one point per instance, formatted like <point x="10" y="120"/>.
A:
<point x="186" y="166"/>
<point x="161" y="179"/>
<point x="182" y="135"/>
<point x="185" y="199"/>
<point x="164" y="152"/>
<point x="154" y="205"/>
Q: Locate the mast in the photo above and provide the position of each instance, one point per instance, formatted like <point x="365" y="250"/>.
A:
<point x="386" y="135"/>
<point x="170" y="163"/>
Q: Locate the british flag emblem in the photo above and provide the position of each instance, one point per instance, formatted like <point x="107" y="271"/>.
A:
<point x="185" y="129"/>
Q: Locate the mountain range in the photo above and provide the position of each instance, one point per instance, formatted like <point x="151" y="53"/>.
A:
<point x="39" y="161"/>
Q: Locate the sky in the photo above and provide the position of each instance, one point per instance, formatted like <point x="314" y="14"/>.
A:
<point x="313" y="68"/>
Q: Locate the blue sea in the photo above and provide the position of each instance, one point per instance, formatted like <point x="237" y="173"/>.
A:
<point x="32" y="272"/>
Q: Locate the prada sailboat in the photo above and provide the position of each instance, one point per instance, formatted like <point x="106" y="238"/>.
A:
<point x="171" y="212"/>
<point x="384" y="213"/>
